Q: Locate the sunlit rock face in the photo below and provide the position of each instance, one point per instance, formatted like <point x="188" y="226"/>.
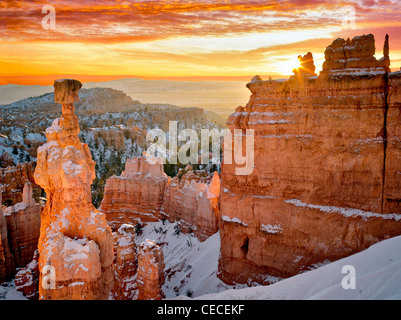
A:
<point x="137" y="194"/>
<point x="326" y="181"/>
<point x="75" y="241"/>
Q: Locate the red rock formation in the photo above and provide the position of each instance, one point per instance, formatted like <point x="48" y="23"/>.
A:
<point x="125" y="264"/>
<point x="144" y="193"/>
<point x="306" y="66"/>
<point x="355" y="56"/>
<point x="13" y="180"/>
<point x="27" y="279"/>
<point x="7" y="267"/>
<point x="150" y="277"/>
<point x="392" y="176"/>
<point x="137" y="194"/>
<point x="193" y="203"/>
<point x="23" y="227"/>
<point x="75" y="244"/>
<point x="326" y="180"/>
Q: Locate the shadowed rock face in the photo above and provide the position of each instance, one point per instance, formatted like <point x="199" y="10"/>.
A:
<point x="326" y="181"/>
<point x="13" y="180"/>
<point x="27" y="279"/>
<point x="23" y="227"/>
<point x="125" y="264"/>
<point x="193" y="202"/>
<point x="150" y="271"/>
<point x="7" y="266"/>
<point x="19" y="229"/>
<point x="75" y="239"/>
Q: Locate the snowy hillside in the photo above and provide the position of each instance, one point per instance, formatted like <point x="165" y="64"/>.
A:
<point x="191" y="266"/>
<point x="378" y="276"/>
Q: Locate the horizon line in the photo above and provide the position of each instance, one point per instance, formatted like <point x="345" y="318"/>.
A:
<point x="47" y="80"/>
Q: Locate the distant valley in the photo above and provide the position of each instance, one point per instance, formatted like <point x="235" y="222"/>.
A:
<point x="112" y="124"/>
<point x="222" y="97"/>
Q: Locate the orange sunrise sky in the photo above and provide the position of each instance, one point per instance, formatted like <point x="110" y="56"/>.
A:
<point x="105" y="40"/>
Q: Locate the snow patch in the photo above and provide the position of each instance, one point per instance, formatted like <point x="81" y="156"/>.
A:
<point x="272" y="229"/>
<point x="234" y="220"/>
<point x="347" y="212"/>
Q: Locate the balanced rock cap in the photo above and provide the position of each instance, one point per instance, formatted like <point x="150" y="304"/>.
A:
<point x="66" y="91"/>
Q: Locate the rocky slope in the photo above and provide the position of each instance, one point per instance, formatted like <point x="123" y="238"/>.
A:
<point x="112" y="124"/>
<point x="326" y="180"/>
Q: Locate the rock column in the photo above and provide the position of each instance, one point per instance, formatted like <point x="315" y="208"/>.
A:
<point x="75" y="244"/>
<point x="150" y="271"/>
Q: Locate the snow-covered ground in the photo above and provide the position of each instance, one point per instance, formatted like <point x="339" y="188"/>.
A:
<point x="377" y="277"/>
<point x="8" y="292"/>
<point x="191" y="266"/>
<point x="191" y="271"/>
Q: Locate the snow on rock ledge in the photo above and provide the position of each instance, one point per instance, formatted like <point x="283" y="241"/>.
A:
<point x="378" y="277"/>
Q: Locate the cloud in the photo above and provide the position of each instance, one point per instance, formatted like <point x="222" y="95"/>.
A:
<point x="122" y="21"/>
<point x="182" y="38"/>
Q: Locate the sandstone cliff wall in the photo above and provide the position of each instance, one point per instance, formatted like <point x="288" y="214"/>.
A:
<point x="7" y="266"/>
<point x="20" y="227"/>
<point x="325" y="182"/>
<point x="193" y="202"/>
<point x="137" y="194"/>
<point x="150" y="277"/>
<point x="144" y="193"/>
<point x="23" y="227"/>
<point x="125" y="264"/>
